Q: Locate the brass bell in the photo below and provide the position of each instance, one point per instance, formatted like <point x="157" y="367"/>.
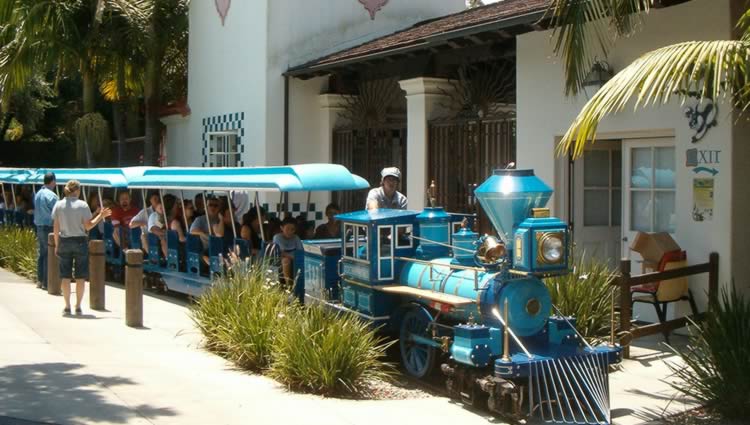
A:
<point x="491" y="250"/>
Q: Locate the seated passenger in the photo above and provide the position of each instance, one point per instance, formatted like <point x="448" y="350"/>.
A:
<point x="179" y="217"/>
<point x="288" y="243"/>
<point x="141" y="219"/>
<point x="156" y="226"/>
<point x="331" y="228"/>
<point x="251" y="229"/>
<point x="200" y="224"/>
<point x="226" y="219"/>
<point x="122" y="216"/>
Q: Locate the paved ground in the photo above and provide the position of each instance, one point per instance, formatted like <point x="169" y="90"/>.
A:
<point x="95" y="370"/>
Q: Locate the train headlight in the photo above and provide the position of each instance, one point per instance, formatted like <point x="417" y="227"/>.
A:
<point x="550" y="248"/>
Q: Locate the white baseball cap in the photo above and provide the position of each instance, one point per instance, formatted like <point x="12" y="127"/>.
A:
<point x="390" y="171"/>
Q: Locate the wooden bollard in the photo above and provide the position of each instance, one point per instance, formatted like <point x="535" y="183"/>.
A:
<point x="96" y="275"/>
<point x="53" y="267"/>
<point x="134" y="288"/>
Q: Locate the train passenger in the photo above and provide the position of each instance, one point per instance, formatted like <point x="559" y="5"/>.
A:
<point x="179" y="217"/>
<point x="200" y="224"/>
<point x="200" y="209"/>
<point x="122" y="215"/>
<point x="72" y="220"/>
<point x="94" y="208"/>
<point x="305" y="227"/>
<point x="331" y="228"/>
<point x="141" y="219"/>
<point x="251" y="229"/>
<point x="387" y="195"/>
<point x="288" y="243"/>
<point x="44" y="202"/>
<point x="156" y="220"/>
<point x="226" y="219"/>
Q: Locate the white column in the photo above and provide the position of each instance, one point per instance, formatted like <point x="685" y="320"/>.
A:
<point x="423" y="97"/>
<point x="331" y="106"/>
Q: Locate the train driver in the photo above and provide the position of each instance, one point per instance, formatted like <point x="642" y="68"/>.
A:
<point x="387" y="195"/>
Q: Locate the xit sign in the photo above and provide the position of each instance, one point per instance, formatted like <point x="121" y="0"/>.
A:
<point x="703" y="160"/>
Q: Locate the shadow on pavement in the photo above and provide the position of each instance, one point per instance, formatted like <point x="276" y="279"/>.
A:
<point x="61" y="393"/>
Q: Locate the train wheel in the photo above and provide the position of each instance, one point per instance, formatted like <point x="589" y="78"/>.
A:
<point x="417" y="357"/>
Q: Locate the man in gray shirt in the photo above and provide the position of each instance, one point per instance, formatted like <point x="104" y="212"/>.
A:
<point x="44" y="201"/>
<point x="72" y="221"/>
<point x="387" y="195"/>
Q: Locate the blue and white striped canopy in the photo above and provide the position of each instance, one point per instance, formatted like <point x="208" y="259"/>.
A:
<point x="289" y="178"/>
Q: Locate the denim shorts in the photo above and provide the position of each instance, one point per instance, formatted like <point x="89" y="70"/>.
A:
<point x="74" y="256"/>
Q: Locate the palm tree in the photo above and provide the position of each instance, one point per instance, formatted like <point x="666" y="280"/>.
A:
<point x="166" y="35"/>
<point x="41" y="35"/>
<point x="584" y="29"/>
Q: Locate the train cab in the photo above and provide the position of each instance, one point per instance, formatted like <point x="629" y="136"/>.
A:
<point x="372" y="243"/>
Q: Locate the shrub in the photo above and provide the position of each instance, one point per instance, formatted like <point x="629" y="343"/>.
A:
<point x="241" y="313"/>
<point x="717" y="366"/>
<point x="585" y="293"/>
<point x="329" y="353"/>
<point x="18" y="250"/>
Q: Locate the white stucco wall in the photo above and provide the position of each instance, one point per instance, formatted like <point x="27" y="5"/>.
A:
<point x="544" y="115"/>
<point x="237" y="68"/>
<point x="226" y="75"/>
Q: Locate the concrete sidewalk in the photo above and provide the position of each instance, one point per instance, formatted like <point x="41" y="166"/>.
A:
<point x="93" y="369"/>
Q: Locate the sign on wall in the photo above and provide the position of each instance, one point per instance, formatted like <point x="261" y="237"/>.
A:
<point x="373" y="6"/>
<point x="222" y="8"/>
<point x="705" y="165"/>
<point x="701" y="116"/>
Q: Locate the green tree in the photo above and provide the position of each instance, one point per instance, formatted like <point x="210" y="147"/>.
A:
<point x="42" y="35"/>
<point x="27" y="106"/>
<point x="165" y="50"/>
<point x="583" y="30"/>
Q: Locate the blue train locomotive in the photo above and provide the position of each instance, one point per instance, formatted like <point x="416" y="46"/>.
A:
<point x="475" y="306"/>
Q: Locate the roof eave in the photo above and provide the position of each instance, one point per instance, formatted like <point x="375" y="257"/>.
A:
<point x="424" y="43"/>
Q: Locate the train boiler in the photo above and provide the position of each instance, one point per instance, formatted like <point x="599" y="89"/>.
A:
<point x="474" y="306"/>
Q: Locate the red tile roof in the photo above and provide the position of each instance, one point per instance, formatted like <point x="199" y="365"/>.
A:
<point x="423" y="32"/>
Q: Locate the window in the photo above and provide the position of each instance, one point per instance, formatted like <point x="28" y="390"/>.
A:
<point x="601" y="187"/>
<point x="223" y="150"/>
<point x="384" y="241"/>
<point x="404" y="236"/>
<point x="652" y="189"/>
<point x="355" y="241"/>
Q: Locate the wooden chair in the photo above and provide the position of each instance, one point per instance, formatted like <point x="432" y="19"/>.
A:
<point x="660" y="294"/>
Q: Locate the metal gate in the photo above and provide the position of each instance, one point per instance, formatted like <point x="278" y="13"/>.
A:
<point x="365" y="152"/>
<point x="462" y="153"/>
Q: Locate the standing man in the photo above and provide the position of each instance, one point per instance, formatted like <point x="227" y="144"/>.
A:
<point x="387" y="195"/>
<point x="44" y="202"/>
<point x="72" y="218"/>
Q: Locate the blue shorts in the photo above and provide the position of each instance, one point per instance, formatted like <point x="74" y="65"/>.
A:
<point x="74" y="256"/>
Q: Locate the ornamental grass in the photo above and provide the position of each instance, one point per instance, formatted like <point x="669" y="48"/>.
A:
<point x="241" y="314"/>
<point x="329" y="353"/>
<point x="249" y="319"/>
<point x="18" y="250"/>
<point x="716" y="369"/>
<point x="586" y="294"/>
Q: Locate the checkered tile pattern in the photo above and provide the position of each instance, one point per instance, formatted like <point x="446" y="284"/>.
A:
<point x="312" y="214"/>
<point x="224" y="122"/>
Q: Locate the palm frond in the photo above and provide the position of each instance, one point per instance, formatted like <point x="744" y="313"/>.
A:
<point x="709" y="68"/>
<point x="582" y="29"/>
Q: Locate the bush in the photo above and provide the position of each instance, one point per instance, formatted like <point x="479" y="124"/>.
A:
<point x="246" y="318"/>
<point x="585" y="293"/>
<point x="328" y="352"/>
<point x="717" y="360"/>
<point x="18" y="250"/>
<point x="241" y="314"/>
